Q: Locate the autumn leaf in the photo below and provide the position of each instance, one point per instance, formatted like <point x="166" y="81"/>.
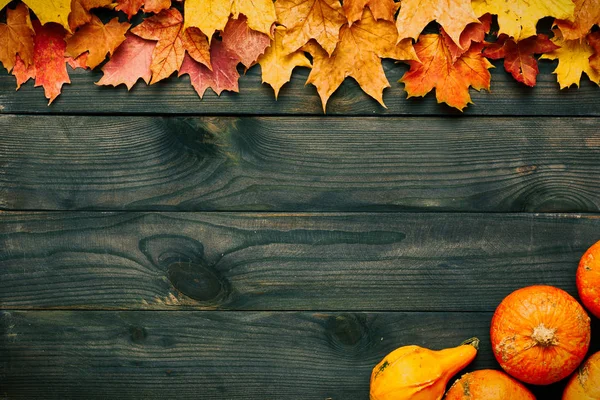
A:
<point x="473" y="33"/>
<point x="132" y="7"/>
<point x="80" y="11"/>
<point x="452" y="15"/>
<point x="246" y="43"/>
<point x="48" y="10"/>
<point x="381" y="9"/>
<point x="594" y="42"/>
<point x="573" y="60"/>
<point x="16" y="38"/>
<point x="97" y="39"/>
<point x="519" y="56"/>
<point x="450" y="79"/>
<point x="130" y="62"/>
<point x="320" y="20"/>
<point x="518" y="18"/>
<point x="587" y="14"/>
<point x="358" y="55"/>
<point x="78" y="62"/>
<point x="212" y="15"/>
<point x="224" y="75"/>
<point x="49" y="65"/>
<point x="173" y="40"/>
<point x="277" y="64"/>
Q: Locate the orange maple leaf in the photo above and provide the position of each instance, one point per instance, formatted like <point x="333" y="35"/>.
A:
<point x="452" y="15"/>
<point x="246" y="43"/>
<point x="473" y="33"/>
<point x="277" y="64"/>
<point x="173" y="41"/>
<point x="587" y="14"/>
<point x="450" y="79"/>
<point x="49" y="66"/>
<point x="224" y="75"/>
<point x="310" y="19"/>
<point x="132" y="7"/>
<point x="518" y="56"/>
<point x="16" y="37"/>
<point x="381" y="9"/>
<point x="130" y="62"/>
<point x="78" y="62"/>
<point x="358" y="55"/>
<point x="80" y="11"/>
<point x="97" y="39"/>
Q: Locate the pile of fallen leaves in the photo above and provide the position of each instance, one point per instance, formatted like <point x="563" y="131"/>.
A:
<point x="210" y="40"/>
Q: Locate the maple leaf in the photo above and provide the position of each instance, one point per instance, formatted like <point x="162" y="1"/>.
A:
<point x="450" y="79"/>
<point x="132" y="7"/>
<point x="49" y="67"/>
<point x="473" y="33"/>
<point x="80" y="11"/>
<point x="97" y="39"/>
<point x="130" y="62"/>
<point x="573" y="60"/>
<point x="518" y="18"/>
<point x="594" y="42"/>
<point x="310" y="19"/>
<point x="224" y="75"/>
<point x="381" y="9"/>
<point x="48" y="10"/>
<point x="452" y="15"/>
<point x="246" y="43"/>
<point x="277" y="64"/>
<point x="587" y="14"/>
<point x="518" y="56"/>
<point x="173" y="41"/>
<point x="212" y="15"/>
<point x="78" y="62"/>
<point x="16" y="37"/>
<point x="358" y="55"/>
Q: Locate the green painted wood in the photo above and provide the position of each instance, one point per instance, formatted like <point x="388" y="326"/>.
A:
<point x="218" y="355"/>
<point x="174" y="95"/>
<point x="244" y="261"/>
<point x="300" y="164"/>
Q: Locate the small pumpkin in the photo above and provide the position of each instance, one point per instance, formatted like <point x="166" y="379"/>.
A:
<point x="585" y="384"/>
<point x="488" y="384"/>
<point x="588" y="279"/>
<point x="417" y="373"/>
<point x="540" y="334"/>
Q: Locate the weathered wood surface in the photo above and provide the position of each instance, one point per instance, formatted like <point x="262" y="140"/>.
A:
<point x="300" y="164"/>
<point x="176" y="96"/>
<point x="217" y="355"/>
<point x="389" y="262"/>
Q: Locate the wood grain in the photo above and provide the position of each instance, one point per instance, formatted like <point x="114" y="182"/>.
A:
<point x="300" y="164"/>
<point x="243" y="261"/>
<point x="218" y="355"/>
<point x="176" y="96"/>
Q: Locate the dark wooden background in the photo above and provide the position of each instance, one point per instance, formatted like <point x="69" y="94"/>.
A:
<point x="156" y="246"/>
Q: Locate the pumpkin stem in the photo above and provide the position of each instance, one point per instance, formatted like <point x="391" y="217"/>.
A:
<point x="473" y="342"/>
<point x="543" y="336"/>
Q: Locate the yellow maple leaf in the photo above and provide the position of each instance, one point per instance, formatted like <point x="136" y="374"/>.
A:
<point x="358" y="55"/>
<point x="452" y="15"/>
<point x="587" y="14"/>
<point x="518" y="18"/>
<point x="277" y="64"/>
<point x="573" y="60"/>
<point x="310" y="19"/>
<point x="212" y="15"/>
<point x="381" y="9"/>
<point x="48" y="10"/>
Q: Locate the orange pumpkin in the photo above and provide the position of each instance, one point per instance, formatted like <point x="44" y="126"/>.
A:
<point x="585" y="384"/>
<point x="540" y="334"/>
<point x="488" y="384"/>
<point x="588" y="279"/>
<point x="417" y="373"/>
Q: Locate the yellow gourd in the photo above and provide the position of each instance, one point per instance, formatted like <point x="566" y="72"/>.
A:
<point x="416" y="373"/>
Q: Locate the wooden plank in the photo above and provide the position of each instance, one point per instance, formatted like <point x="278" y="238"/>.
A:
<point x="218" y="355"/>
<point x="507" y="97"/>
<point x="371" y="262"/>
<point x="300" y="164"/>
